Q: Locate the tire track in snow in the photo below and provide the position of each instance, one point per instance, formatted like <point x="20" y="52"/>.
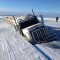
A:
<point x="11" y="49"/>
<point x="48" y="57"/>
<point x="48" y="51"/>
<point x="16" y="48"/>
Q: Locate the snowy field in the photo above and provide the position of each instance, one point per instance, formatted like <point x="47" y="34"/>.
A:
<point x="14" y="47"/>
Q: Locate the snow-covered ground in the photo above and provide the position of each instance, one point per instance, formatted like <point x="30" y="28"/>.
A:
<point x="14" y="47"/>
<point x="52" y="49"/>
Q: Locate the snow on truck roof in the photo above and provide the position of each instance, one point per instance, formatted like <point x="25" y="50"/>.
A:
<point x="25" y="18"/>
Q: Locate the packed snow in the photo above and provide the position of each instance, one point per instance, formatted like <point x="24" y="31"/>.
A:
<point x="52" y="49"/>
<point x="14" y="47"/>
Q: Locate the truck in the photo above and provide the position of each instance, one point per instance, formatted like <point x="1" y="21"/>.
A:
<point x="33" y="30"/>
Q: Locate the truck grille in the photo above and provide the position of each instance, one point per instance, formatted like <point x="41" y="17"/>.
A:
<point x="39" y="35"/>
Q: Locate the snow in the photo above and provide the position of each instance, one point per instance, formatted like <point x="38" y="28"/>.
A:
<point x="14" y="47"/>
<point x="51" y="22"/>
<point x="49" y="51"/>
<point x="52" y="49"/>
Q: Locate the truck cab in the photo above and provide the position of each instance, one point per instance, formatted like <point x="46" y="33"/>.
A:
<point x="32" y="29"/>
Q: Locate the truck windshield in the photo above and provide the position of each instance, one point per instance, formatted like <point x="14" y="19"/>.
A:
<point x="29" y="22"/>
